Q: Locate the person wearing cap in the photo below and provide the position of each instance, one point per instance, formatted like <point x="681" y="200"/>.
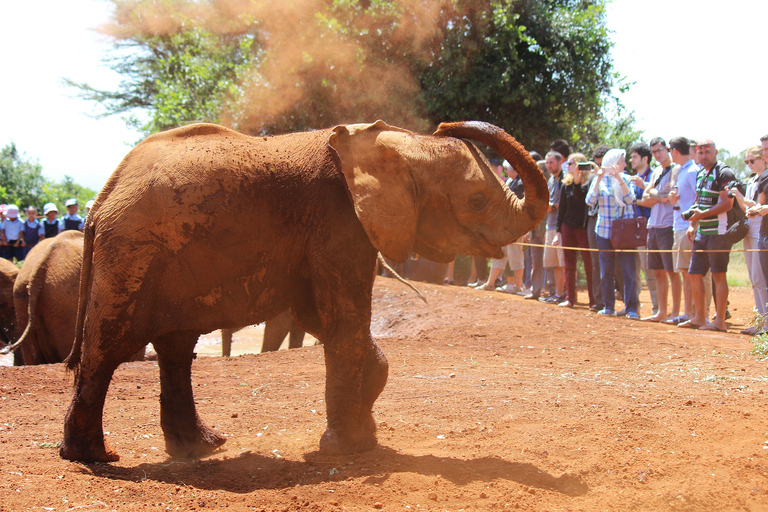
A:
<point x="88" y="207"/>
<point x="32" y="231"/>
<point x="51" y="225"/>
<point x="10" y="232"/>
<point x="72" y="220"/>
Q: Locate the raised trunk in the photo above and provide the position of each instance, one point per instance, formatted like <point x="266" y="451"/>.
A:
<point x="529" y="212"/>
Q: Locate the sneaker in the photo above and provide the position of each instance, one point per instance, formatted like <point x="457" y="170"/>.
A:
<point x="545" y="299"/>
<point x="633" y="316"/>
<point x="623" y="312"/>
<point x="473" y="284"/>
<point x="507" y="288"/>
<point x="531" y="296"/>
<point x="566" y="304"/>
<point x="606" y="312"/>
<point x="595" y="308"/>
<point x="486" y="287"/>
<point x="727" y="314"/>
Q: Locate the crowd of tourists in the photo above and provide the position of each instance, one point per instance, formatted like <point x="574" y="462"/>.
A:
<point x="695" y="210"/>
<point x="18" y="236"/>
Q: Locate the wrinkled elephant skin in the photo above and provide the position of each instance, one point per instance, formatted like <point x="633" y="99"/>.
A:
<point x="201" y="228"/>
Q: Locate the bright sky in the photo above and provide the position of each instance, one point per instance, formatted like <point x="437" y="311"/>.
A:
<point x="44" y="41"/>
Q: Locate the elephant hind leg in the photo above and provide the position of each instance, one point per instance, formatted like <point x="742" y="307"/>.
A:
<point x="275" y="331"/>
<point x="296" y="338"/>
<point x="83" y="428"/>
<point x="186" y="435"/>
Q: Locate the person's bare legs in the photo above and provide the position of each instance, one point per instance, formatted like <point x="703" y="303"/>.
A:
<point x="687" y="294"/>
<point x="677" y="288"/>
<point x="559" y="273"/>
<point x="721" y="292"/>
<point x="697" y="289"/>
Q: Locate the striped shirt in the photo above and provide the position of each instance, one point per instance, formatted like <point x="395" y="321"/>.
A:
<point x="709" y="183"/>
<point x="608" y="209"/>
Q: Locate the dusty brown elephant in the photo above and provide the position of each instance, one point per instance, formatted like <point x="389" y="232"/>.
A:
<point x="227" y="230"/>
<point x="275" y="331"/>
<point x="45" y="297"/>
<point x="8" y="273"/>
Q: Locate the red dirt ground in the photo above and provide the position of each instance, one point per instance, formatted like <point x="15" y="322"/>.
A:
<point x="493" y="403"/>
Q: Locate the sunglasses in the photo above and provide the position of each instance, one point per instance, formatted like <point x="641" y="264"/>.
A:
<point x="751" y="161"/>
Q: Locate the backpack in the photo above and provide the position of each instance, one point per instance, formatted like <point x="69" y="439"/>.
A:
<point x="737" y="227"/>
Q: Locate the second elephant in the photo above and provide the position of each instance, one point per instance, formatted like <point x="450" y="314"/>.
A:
<point x="45" y="297"/>
<point x="275" y="331"/>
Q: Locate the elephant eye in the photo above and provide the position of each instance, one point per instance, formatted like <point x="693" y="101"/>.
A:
<point x="477" y="202"/>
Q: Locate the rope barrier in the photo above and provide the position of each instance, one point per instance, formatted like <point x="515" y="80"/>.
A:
<point x="591" y="249"/>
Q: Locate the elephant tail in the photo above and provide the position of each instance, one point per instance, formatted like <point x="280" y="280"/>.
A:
<point x="73" y="359"/>
<point x="34" y="288"/>
<point x="397" y="276"/>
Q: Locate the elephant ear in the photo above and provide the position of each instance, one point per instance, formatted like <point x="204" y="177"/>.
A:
<point x="380" y="184"/>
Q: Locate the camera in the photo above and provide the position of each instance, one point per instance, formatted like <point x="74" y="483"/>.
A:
<point x="687" y="214"/>
<point x="734" y="184"/>
<point x="585" y="166"/>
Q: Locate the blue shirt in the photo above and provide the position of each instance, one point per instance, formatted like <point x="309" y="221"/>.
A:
<point x="661" y="213"/>
<point x="608" y="209"/>
<point x="555" y="186"/>
<point x="12" y="228"/>
<point x="686" y="190"/>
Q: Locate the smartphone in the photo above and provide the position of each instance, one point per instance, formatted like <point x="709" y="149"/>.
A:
<point x="585" y="166"/>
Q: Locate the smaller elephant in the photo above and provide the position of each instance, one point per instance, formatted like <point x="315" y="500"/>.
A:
<point x="45" y="297"/>
<point x="8" y="273"/>
<point x="275" y="331"/>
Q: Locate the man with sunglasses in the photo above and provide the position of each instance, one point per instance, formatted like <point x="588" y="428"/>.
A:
<point x="661" y="234"/>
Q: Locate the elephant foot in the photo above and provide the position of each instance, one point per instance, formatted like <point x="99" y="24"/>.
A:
<point x="82" y="452"/>
<point x="334" y="443"/>
<point x="204" y="442"/>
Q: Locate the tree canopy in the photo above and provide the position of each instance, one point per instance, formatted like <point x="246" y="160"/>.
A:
<point x="22" y="183"/>
<point x="541" y="69"/>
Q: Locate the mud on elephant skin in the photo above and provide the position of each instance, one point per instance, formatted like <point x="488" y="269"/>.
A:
<point x="275" y="331"/>
<point x="45" y="297"/>
<point x="291" y="221"/>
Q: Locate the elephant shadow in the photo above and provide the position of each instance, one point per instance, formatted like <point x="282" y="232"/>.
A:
<point x="250" y="471"/>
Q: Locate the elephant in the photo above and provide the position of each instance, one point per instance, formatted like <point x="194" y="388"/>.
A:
<point x="45" y="297"/>
<point x="8" y="274"/>
<point x="201" y="227"/>
<point x="275" y="331"/>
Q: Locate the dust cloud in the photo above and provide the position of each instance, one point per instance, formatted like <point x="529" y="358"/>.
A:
<point x="318" y="65"/>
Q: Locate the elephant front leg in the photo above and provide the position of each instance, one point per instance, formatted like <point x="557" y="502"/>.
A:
<point x="186" y="435"/>
<point x="355" y="378"/>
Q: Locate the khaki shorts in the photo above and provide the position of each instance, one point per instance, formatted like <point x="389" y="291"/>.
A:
<point x="513" y="254"/>
<point x="553" y="256"/>
<point x="682" y="260"/>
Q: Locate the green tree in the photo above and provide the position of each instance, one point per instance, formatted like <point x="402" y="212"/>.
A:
<point x="539" y="68"/>
<point x="22" y="183"/>
<point x="174" y="79"/>
<point x="21" y="180"/>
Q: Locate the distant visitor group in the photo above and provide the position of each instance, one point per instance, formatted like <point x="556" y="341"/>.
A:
<point x="693" y="210"/>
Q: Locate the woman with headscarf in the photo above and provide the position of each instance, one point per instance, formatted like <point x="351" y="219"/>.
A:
<point x="612" y="193"/>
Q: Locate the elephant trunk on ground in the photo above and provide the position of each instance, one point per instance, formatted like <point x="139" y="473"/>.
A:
<point x="531" y="210"/>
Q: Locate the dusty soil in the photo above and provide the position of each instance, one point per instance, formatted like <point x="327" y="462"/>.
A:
<point x="493" y="402"/>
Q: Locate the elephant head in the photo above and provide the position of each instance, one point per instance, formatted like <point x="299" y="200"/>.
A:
<point x="437" y="195"/>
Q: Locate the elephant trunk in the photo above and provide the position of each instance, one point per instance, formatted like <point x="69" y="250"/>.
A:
<point x="529" y="212"/>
